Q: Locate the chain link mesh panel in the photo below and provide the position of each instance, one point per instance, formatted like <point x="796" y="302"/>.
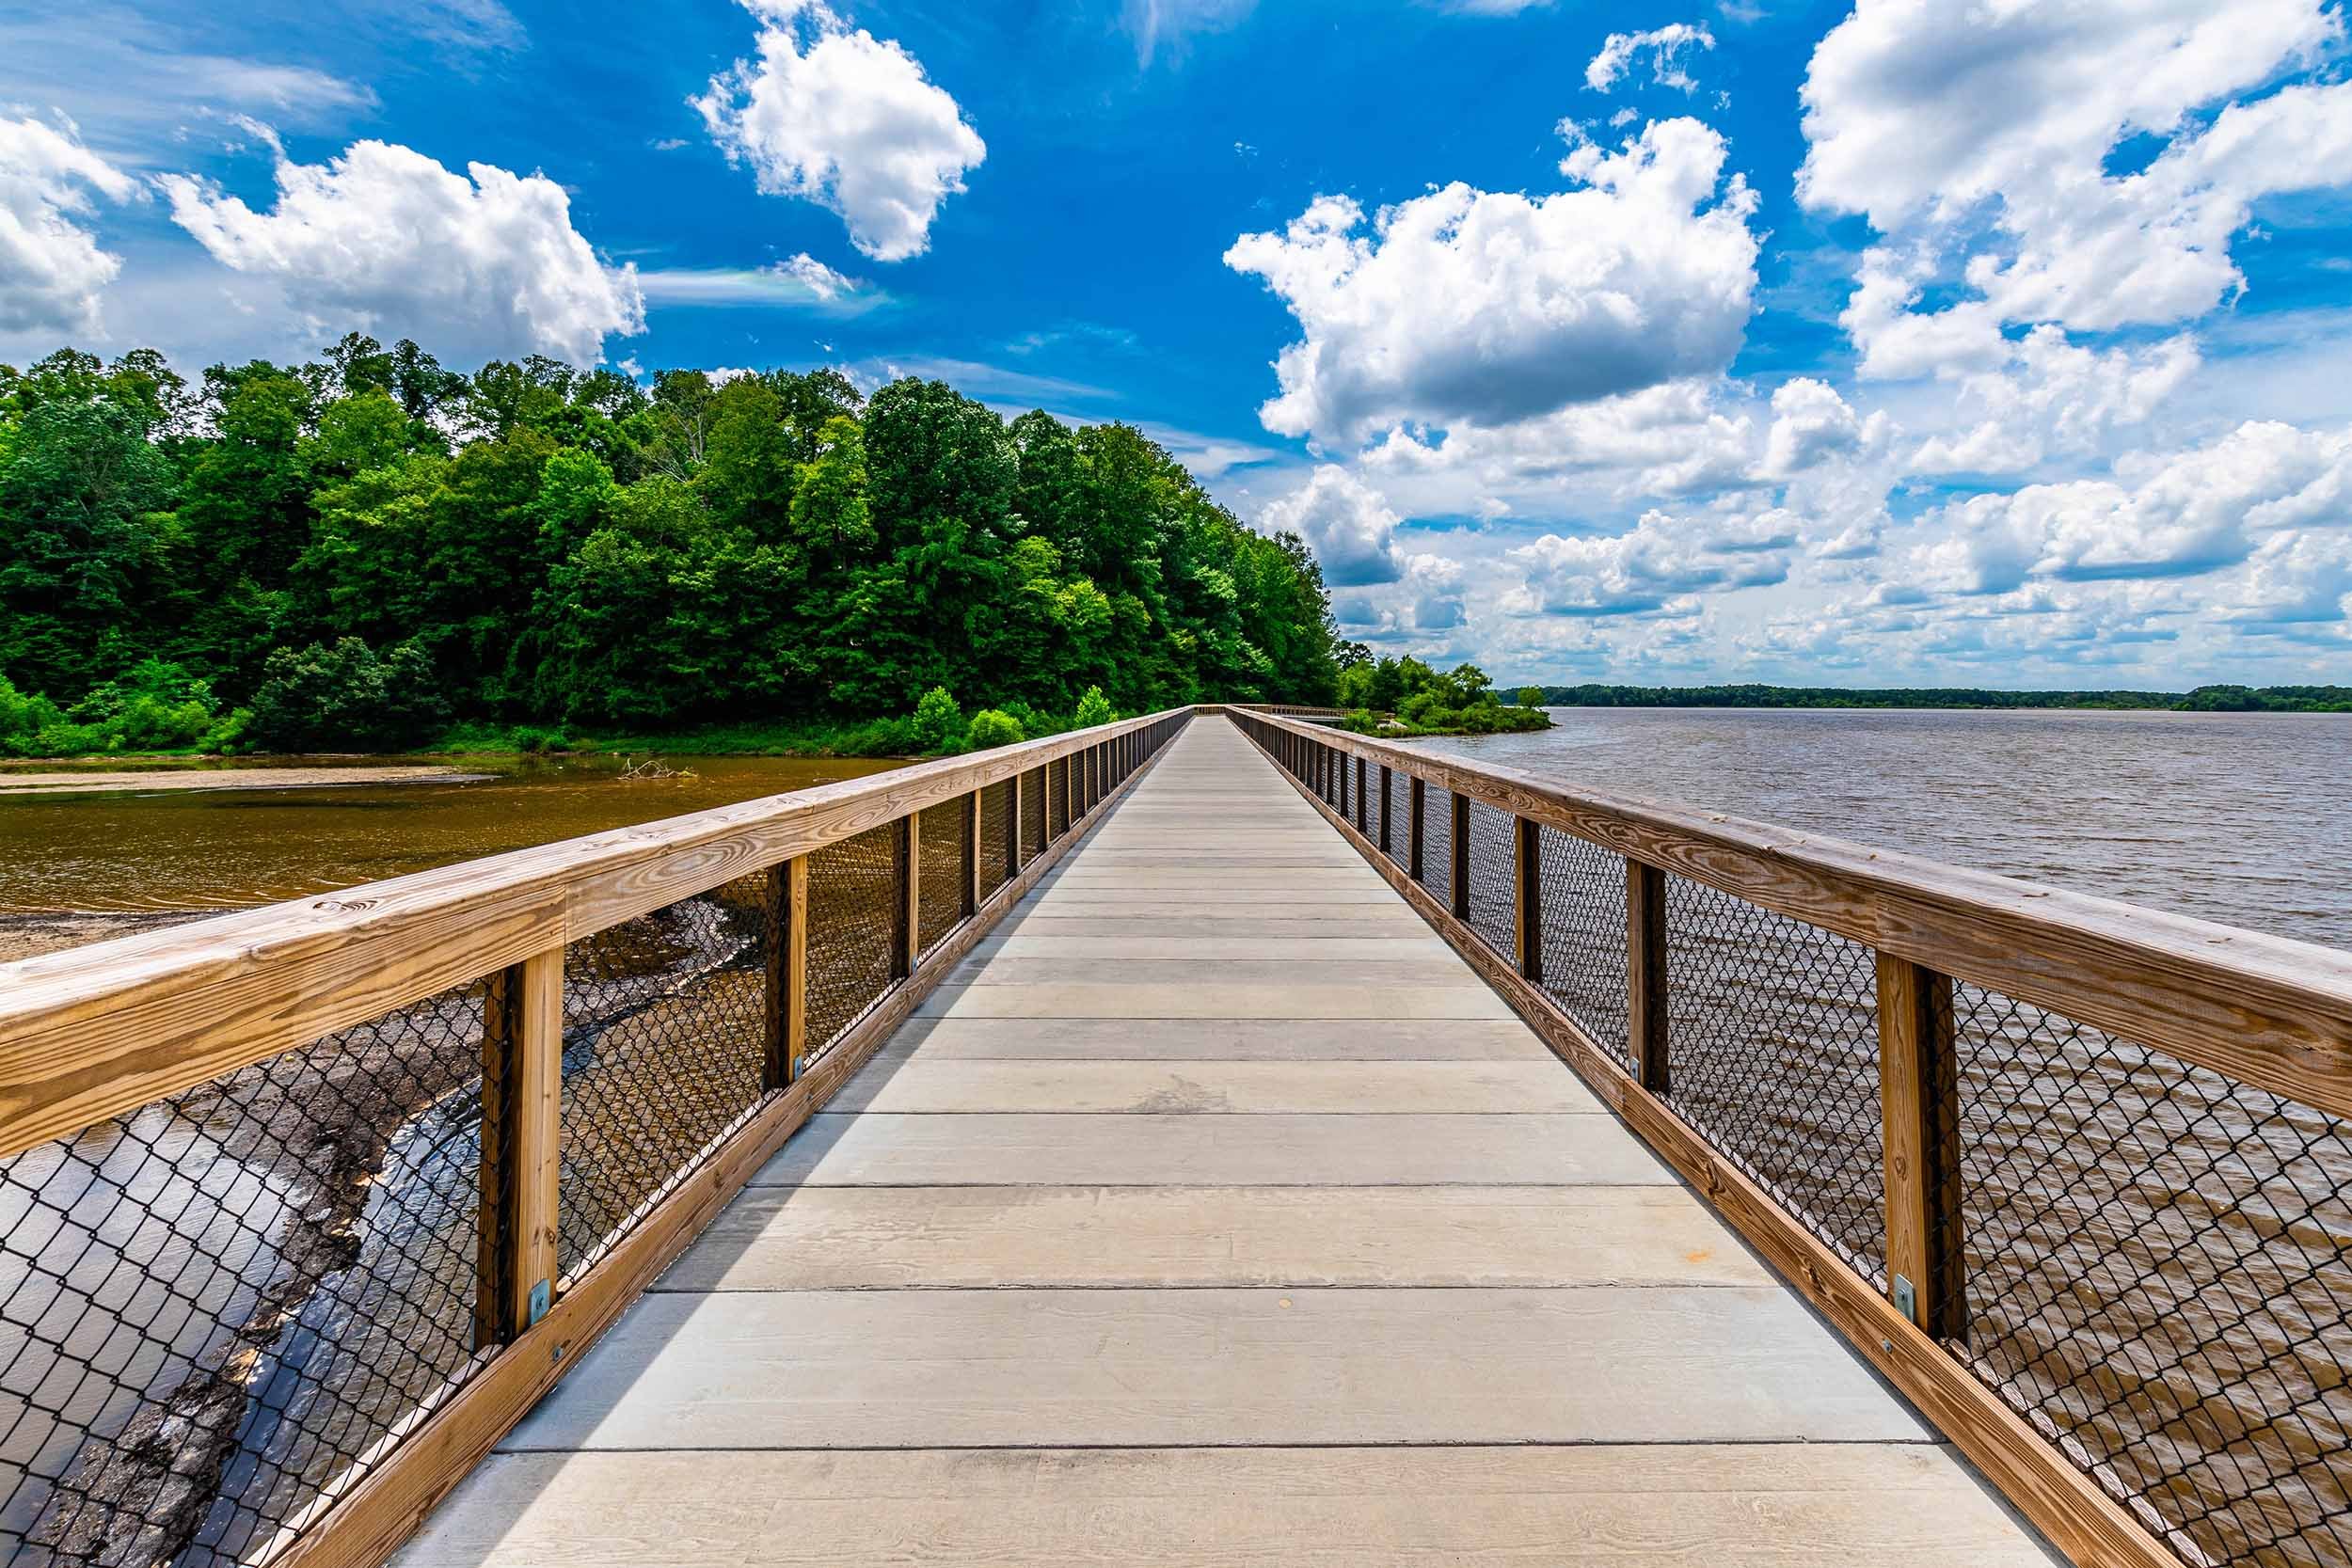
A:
<point x="2159" y="1279"/>
<point x="852" y="914"/>
<point x="1032" y="813"/>
<point x="1056" y="798"/>
<point x="222" y="1306"/>
<point x="941" y="906"/>
<point x="996" y="829"/>
<point x="1583" y="936"/>
<point x="1494" y="878"/>
<point x="665" y="1045"/>
<point x="1772" y="1053"/>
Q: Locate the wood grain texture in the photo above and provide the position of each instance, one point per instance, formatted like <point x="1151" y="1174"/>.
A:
<point x="1920" y="1136"/>
<point x="1685" y="1506"/>
<point x="93" y="1031"/>
<point x="888" y="1238"/>
<point x="2078" y="1517"/>
<point x="2269" y="1012"/>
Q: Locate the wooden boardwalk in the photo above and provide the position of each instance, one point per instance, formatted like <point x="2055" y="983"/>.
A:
<point x="1216" y="1213"/>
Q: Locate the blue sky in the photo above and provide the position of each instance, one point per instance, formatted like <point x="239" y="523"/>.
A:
<point x="1900" y="342"/>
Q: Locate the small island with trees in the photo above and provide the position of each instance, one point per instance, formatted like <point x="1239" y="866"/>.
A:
<point x="1404" y="697"/>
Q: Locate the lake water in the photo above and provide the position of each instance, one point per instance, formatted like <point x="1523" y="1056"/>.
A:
<point x="2243" y="818"/>
<point x="143" y="852"/>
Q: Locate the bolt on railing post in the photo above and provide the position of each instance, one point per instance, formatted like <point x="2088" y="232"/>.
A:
<point x="1646" y="973"/>
<point x="1416" y="802"/>
<point x="906" y="922"/>
<point x="1459" y="860"/>
<point x="1528" y="882"/>
<point x="1918" y="1098"/>
<point x="522" y="1097"/>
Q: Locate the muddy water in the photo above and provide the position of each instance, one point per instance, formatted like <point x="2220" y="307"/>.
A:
<point x="216" y="1309"/>
<point x="2158" y="1262"/>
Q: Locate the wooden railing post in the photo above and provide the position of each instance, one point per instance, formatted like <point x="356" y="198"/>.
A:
<point x="788" y="970"/>
<point x="1388" y="787"/>
<point x="971" y="877"/>
<point x="1069" y="812"/>
<point x="522" y="1096"/>
<point x="1416" y="801"/>
<point x="1339" y="764"/>
<point x="1646" y="973"/>
<point x="1919" y="1101"/>
<point x="1528" y="881"/>
<point x="906" y="924"/>
<point x="1012" y="826"/>
<point x="1459" y="860"/>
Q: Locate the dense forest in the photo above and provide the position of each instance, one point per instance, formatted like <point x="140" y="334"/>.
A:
<point x="366" y="551"/>
<point x="2204" y="699"/>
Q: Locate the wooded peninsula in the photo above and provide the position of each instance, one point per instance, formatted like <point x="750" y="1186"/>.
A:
<point x="371" y="552"/>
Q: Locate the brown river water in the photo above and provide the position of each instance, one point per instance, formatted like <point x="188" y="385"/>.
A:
<point x="259" y="1324"/>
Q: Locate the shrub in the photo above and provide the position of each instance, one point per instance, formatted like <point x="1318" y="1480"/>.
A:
<point x="1095" y="708"/>
<point x="938" y="721"/>
<point x="989" y="728"/>
<point x="347" y="698"/>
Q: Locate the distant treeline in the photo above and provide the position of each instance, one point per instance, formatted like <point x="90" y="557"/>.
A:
<point x="2204" y="699"/>
<point x="360" y="551"/>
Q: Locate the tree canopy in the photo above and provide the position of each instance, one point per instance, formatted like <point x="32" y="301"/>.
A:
<point x="361" y="547"/>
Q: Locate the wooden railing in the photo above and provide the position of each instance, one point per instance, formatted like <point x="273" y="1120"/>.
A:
<point x="2075" y="1176"/>
<point x="625" y="1025"/>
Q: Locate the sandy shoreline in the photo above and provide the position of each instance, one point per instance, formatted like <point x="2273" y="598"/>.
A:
<point x="228" y="778"/>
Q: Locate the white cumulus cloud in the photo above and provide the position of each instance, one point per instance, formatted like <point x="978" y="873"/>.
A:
<point x="1345" y="522"/>
<point x="386" y="239"/>
<point x="52" y="270"/>
<point x="1978" y="139"/>
<point x="1667" y="48"/>
<point x="1471" y="307"/>
<point x="831" y="115"/>
<point x="1653" y="565"/>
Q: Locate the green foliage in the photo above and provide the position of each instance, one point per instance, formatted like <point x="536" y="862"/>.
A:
<point x="347" y="696"/>
<point x="540" y="552"/>
<point x="990" y="728"/>
<point x="1095" y="708"/>
<point x="938" y="722"/>
<point x="1403" y="696"/>
<point x="153" y="707"/>
<point x="1530" y="696"/>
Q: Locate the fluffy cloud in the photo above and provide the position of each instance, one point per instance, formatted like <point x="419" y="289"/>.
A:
<point x="1811" y="425"/>
<point x="385" y="238"/>
<point x="1467" y="307"/>
<point x="1660" y="559"/>
<point x="1351" y="529"/>
<point x="837" y="117"/>
<point x="1665" y="46"/>
<point x="2060" y="398"/>
<point x="1988" y="130"/>
<point x="51" y="268"/>
<point x="2177" y="514"/>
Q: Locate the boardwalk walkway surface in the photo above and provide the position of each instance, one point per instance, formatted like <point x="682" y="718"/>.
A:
<point x="1214" y="1212"/>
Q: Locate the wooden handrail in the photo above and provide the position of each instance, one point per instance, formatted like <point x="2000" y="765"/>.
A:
<point x="95" y="1031"/>
<point x="2268" y="1011"/>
